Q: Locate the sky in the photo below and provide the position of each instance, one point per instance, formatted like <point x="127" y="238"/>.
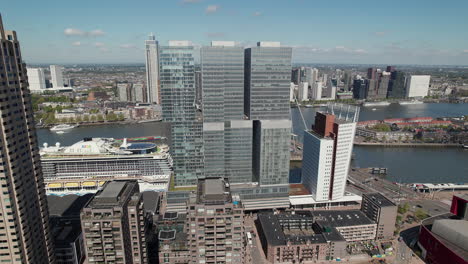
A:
<point x="430" y="32"/>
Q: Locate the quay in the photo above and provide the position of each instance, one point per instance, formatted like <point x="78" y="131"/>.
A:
<point x="411" y="145"/>
<point x="430" y="187"/>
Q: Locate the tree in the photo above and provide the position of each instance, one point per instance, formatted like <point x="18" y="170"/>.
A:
<point x="121" y="117"/>
<point x="402" y="209"/>
<point x="382" y="127"/>
<point x="79" y="119"/>
<point x="111" y="117"/>
<point x="420" y="214"/>
<point x="100" y="118"/>
<point x="86" y="118"/>
<point x="93" y="118"/>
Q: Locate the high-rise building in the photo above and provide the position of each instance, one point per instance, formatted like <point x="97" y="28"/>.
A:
<point x="113" y="225"/>
<point x="417" y="86"/>
<point x="123" y="89"/>
<point x="267" y="80"/>
<point x="303" y="92"/>
<point x="139" y="92"/>
<point x="267" y="89"/>
<point x="36" y="80"/>
<point x="24" y="220"/>
<point x="227" y="137"/>
<point x="316" y="91"/>
<point x="215" y="224"/>
<point x="178" y="106"/>
<point x="327" y="152"/>
<point x="56" y="75"/>
<point x="397" y="85"/>
<point x="360" y="88"/>
<point x="152" y="70"/>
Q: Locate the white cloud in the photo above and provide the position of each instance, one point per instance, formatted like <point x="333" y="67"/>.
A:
<point x="258" y="13"/>
<point x="99" y="44"/>
<point x="380" y="33"/>
<point x="82" y="33"/>
<point x="190" y="1"/>
<point x="127" y="46"/>
<point x="212" y="9"/>
<point x="96" y="32"/>
<point x="76" y="43"/>
<point x="74" y="32"/>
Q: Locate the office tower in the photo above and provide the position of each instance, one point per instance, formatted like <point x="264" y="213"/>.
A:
<point x="292" y="91"/>
<point x="417" y="86"/>
<point x="267" y="73"/>
<point x="198" y="87"/>
<point x="57" y="76"/>
<point x="348" y="81"/>
<point x="271" y="155"/>
<point x="397" y="85"/>
<point x="113" y="225"/>
<point x="152" y="70"/>
<point x="330" y="92"/>
<point x="382" y="211"/>
<point x="317" y="91"/>
<point x="391" y="68"/>
<point x="123" y="90"/>
<point x="325" y="78"/>
<point x="227" y="137"/>
<point x="215" y="224"/>
<point x="24" y="229"/>
<point x="303" y="92"/>
<point x="327" y="152"/>
<point x="296" y="75"/>
<point x="177" y="100"/>
<point x="311" y="75"/>
<point x="139" y="92"/>
<point x="383" y="83"/>
<point x="371" y="73"/>
<point x="359" y="88"/>
<point x="36" y="80"/>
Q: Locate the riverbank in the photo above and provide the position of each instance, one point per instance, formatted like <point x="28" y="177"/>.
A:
<point x="411" y="145"/>
<point x="90" y="124"/>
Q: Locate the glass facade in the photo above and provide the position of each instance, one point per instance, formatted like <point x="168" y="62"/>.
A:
<point x="177" y="81"/>
<point x="227" y="138"/>
<point x="267" y="81"/>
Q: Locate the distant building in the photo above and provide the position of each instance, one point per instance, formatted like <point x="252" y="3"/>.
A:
<point x="124" y="92"/>
<point x="417" y="86"/>
<point x="113" y="225"/>
<point x="397" y="85"/>
<point x="316" y="91"/>
<point x="57" y="76"/>
<point x="36" y="80"/>
<point x="327" y="152"/>
<point x="139" y="92"/>
<point x="153" y="92"/>
<point x="359" y="88"/>
<point x="95" y="96"/>
<point x="382" y="211"/>
<point x="303" y="92"/>
<point x="292" y="92"/>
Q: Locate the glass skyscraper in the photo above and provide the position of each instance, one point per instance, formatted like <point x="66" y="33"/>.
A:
<point x="227" y="137"/>
<point x="178" y="103"/>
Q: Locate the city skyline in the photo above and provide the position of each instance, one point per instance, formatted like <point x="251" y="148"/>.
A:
<point x="318" y="32"/>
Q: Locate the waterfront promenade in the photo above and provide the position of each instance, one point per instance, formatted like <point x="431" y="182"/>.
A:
<point x="410" y="145"/>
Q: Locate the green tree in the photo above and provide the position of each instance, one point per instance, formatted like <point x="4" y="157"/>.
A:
<point x="93" y="118"/>
<point x="79" y="119"/>
<point x="86" y="118"/>
<point x="402" y="209"/>
<point x="111" y="117"/>
<point x="382" y="127"/>
<point x="121" y="117"/>
<point x="420" y="214"/>
<point x="100" y="118"/>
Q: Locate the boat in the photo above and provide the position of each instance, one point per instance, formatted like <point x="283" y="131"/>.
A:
<point x="410" y="102"/>
<point x="376" y="103"/>
<point x="149" y="121"/>
<point x="60" y="132"/>
<point x="308" y="106"/>
<point x="62" y="127"/>
<point x="373" y="109"/>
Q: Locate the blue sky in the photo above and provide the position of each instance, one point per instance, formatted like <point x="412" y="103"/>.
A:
<point x="339" y="31"/>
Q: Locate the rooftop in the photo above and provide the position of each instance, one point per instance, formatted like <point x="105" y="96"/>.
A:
<point x="341" y="218"/>
<point x="213" y="191"/>
<point x="379" y="199"/>
<point x="113" y="194"/>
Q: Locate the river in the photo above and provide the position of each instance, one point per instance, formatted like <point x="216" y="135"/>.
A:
<point x="404" y="164"/>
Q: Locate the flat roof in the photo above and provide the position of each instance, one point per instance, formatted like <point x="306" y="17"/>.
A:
<point x="341" y="218"/>
<point x="113" y="194"/>
<point x="379" y="199"/>
<point x="112" y="190"/>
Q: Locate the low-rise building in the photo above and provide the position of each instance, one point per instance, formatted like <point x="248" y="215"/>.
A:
<point x="382" y="211"/>
<point x="380" y="135"/>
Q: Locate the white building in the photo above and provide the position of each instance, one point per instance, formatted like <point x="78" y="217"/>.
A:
<point x="56" y="76"/>
<point x="36" y="80"/>
<point x="153" y="92"/>
<point x="311" y="75"/>
<point x="316" y="91"/>
<point x="418" y="86"/>
<point x="327" y="152"/>
<point x="138" y="91"/>
<point x="303" y="92"/>
<point x="292" y="91"/>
